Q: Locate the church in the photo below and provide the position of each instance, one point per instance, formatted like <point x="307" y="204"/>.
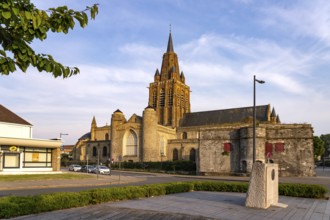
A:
<point x="219" y="141"/>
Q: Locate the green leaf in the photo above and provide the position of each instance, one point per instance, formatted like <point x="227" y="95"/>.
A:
<point x="3" y="53"/>
<point x="6" y="14"/>
<point x="15" y="10"/>
<point x="28" y="15"/>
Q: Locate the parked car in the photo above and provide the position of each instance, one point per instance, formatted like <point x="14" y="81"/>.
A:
<point x="87" y="168"/>
<point x="74" y="167"/>
<point x="101" y="170"/>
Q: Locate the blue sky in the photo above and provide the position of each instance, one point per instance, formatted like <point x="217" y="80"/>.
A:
<point x="221" y="44"/>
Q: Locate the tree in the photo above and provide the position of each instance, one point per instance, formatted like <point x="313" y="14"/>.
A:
<point x="318" y="147"/>
<point x="326" y="139"/>
<point x="21" y="23"/>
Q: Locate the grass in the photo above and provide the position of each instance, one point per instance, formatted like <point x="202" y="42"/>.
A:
<point x="13" y="178"/>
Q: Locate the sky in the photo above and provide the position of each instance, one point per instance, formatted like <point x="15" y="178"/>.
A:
<point x="221" y="45"/>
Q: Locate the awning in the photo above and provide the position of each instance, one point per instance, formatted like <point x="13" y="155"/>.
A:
<point x="24" y="142"/>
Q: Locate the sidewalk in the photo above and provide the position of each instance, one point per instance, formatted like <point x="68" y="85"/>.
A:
<point x="193" y="205"/>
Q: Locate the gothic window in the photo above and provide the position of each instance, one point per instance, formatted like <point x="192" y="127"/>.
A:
<point x="154" y="99"/>
<point x="170" y="98"/>
<point x="184" y="135"/>
<point x="104" y="151"/>
<point x="106" y="136"/>
<point x="94" y="151"/>
<point x="131" y="144"/>
<point x="162" y="98"/>
<point x="175" y="154"/>
<point x="182" y="98"/>
<point x="192" y="155"/>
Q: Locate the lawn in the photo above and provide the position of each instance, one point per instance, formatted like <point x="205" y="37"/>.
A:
<point x="11" y="178"/>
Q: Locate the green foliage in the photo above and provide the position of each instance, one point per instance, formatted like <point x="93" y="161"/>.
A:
<point x="221" y="186"/>
<point x="302" y="190"/>
<point x="167" y="166"/>
<point x="318" y="147"/>
<point x="12" y="206"/>
<point x="21" y="23"/>
<point x="326" y="139"/>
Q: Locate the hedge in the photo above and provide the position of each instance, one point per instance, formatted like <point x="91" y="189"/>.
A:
<point x="13" y="206"/>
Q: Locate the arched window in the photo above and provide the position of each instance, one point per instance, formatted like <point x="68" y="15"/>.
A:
<point x="184" y="135"/>
<point x="192" y="155"/>
<point x="162" y="98"/>
<point x="104" y="151"/>
<point x="94" y="152"/>
<point x="106" y="136"/>
<point x="170" y="97"/>
<point x="175" y="154"/>
<point x="131" y="144"/>
<point x="154" y="99"/>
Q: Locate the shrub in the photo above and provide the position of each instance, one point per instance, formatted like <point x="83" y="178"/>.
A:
<point x="302" y="190"/>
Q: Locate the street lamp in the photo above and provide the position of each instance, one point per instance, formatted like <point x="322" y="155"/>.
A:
<point x="255" y="115"/>
<point x="61" y="134"/>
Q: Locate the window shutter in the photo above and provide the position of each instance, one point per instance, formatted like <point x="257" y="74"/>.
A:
<point x="279" y="147"/>
<point x="269" y="149"/>
<point x="227" y="147"/>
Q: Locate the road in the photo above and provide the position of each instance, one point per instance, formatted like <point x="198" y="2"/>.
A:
<point x="122" y="178"/>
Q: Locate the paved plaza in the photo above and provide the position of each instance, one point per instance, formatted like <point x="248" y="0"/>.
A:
<point x="194" y="205"/>
<point x="191" y="205"/>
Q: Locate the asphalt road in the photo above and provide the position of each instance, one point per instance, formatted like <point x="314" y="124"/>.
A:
<point x="123" y="178"/>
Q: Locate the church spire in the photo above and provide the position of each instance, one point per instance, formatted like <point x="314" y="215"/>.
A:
<point x="170" y="44"/>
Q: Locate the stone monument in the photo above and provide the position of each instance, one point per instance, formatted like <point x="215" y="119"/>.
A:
<point x="263" y="187"/>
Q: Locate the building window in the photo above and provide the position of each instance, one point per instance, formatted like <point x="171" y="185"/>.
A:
<point x="175" y="154"/>
<point x="104" y="151"/>
<point x="154" y="99"/>
<point x="279" y="147"/>
<point x="11" y="160"/>
<point x="94" y="151"/>
<point x="170" y="97"/>
<point x="162" y="98"/>
<point x="192" y="155"/>
<point x="37" y="157"/>
<point x="184" y="135"/>
<point x="131" y="144"/>
<point x="106" y="136"/>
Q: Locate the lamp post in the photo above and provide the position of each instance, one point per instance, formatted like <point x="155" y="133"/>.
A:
<point x="255" y="115"/>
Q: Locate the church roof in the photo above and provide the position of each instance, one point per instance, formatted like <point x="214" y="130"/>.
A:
<point x="85" y="136"/>
<point x="10" y="117"/>
<point x="224" y="116"/>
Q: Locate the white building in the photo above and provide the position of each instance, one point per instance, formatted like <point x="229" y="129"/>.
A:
<point x="19" y="152"/>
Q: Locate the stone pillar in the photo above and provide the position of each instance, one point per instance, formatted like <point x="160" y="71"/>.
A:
<point x="150" y="141"/>
<point x="56" y="159"/>
<point x="263" y="187"/>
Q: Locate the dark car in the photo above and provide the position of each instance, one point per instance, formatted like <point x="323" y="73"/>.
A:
<point x="87" y="168"/>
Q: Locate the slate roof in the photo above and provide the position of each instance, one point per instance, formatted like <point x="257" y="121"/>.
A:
<point x="10" y="117"/>
<point x="85" y="136"/>
<point x="224" y="116"/>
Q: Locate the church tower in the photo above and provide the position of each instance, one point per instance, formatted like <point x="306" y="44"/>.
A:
<point x="168" y="94"/>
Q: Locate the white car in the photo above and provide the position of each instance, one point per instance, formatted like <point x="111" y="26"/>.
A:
<point x="101" y="170"/>
<point x="74" y="167"/>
